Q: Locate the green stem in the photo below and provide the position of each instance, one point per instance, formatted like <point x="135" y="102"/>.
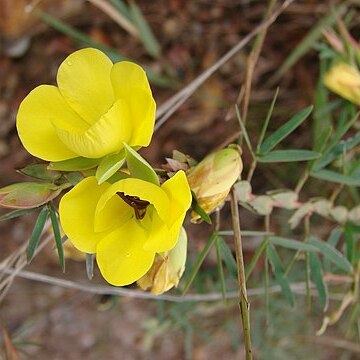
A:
<point x="244" y="304"/>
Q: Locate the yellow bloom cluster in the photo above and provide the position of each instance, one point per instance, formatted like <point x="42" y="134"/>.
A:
<point x="97" y="109"/>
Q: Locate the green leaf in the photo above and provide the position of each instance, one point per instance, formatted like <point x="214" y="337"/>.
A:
<point x="195" y="206"/>
<point x="146" y="35"/>
<point x="278" y="271"/>
<point x="332" y="254"/>
<point x="283" y="131"/>
<point x="336" y="151"/>
<point x="335" y="177"/>
<point x="288" y="156"/>
<point x="139" y="168"/>
<point x="244" y="131"/>
<point x="227" y="256"/>
<point x="220" y="268"/>
<point x="57" y="236"/>
<point x="307" y="43"/>
<point x="292" y="244"/>
<point x="40" y="171"/>
<point x="318" y="278"/>
<point x="36" y="234"/>
<point x="200" y="259"/>
<point x="109" y="165"/>
<point x="332" y="241"/>
<point x="267" y="119"/>
<point x="15" y="214"/>
<point x="350" y="243"/>
<point x="259" y="250"/>
<point x="122" y="8"/>
<point x="90" y="258"/>
<point x="76" y="164"/>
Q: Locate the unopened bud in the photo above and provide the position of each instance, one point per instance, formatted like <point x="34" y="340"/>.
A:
<point x="344" y="80"/>
<point x="212" y="179"/>
<point x="167" y="268"/>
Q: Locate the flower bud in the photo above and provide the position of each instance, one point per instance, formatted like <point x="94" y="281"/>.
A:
<point x="167" y="268"/>
<point x="212" y="179"/>
<point x="344" y="80"/>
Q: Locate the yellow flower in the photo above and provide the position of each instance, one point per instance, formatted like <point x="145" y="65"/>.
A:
<point x="125" y="223"/>
<point x="96" y="107"/>
<point x="344" y="80"/>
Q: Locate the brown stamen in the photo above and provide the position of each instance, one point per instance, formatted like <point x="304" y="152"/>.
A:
<point x="136" y="203"/>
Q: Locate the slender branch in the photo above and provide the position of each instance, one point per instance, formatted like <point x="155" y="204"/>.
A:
<point x="298" y="288"/>
<point x="244" y="304"/>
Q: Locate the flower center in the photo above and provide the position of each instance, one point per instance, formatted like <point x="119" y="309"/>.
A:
<point x="136" y="203"/>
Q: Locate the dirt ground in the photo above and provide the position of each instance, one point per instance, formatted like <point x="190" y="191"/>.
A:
<point x="49" y="322"/>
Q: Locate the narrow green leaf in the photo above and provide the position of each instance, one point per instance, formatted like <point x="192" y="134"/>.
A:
<point x="90" y="258"/>
<point x="244" y="131"/>
<point x="318" y="278"/>
<point x="282" y="132"/>
<point x="195" y="206"/>
<point x="36" y="234"/>
<point x="122" y="8"/>
<point x="336" y="151"/>
<point x="220" y="268"/>
<point x="292" y="244"/>
<point x="267" y="119"/>
<point x="40" y="171"/>
<point x="227" y="256"/>
<point x="259" y="250"/>
<point x="278" y="271"/>
<point x="350" y="243"/>
<point x="335" y="177"/>
<point x="76" y="164"/>
<point x="145" y="32"/>
<point x="57" y="236"/>
<point x="15" y="214"/>
<point x="109" y="165"/>
<point x="332" y="254"/>
<point x="201" y="257"/>
<point x="332" y="241"/>
<point x="288" y="156"/>
<point x="138" y="166"/>
<point x="309" y="40"/>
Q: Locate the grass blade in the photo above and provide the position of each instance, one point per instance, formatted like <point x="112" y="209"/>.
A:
<point x="36" y="234"/>
<point x="318" y="278"/>
<point x="332" y="241"/>
<point x="332" y="254"/>
<point x="335" y="177"/>
<point x="57" y="236"/>
<point x="227" y="256"/>
<point x="288" y="156"/>
<point x="278" y="271"/>
<point x="15" y="214"/>
<point x="283" y="131"/>
<point x="201" y="257"/>
<point x="244" y="131"/>
<point x="146" y="35"/>
<point x="90" y="258"/>
<point x="220" y="268"/>
<point x="292" y="244"/>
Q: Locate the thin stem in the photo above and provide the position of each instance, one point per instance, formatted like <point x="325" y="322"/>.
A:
<point x="251" y="170"/>
<point x="302" y="181"/>
<point x="266" y="280"/>
<point x="244" y="304"/>
<point x="307" y="264"/>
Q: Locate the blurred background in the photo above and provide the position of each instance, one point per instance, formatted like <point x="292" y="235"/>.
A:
<point x="176" y="40"/>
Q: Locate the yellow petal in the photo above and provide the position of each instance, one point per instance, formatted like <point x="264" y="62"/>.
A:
<point x="84" y="81"/>
<point x="125" y="76"/>
<point x="34" y="123"/>
<point x="144" y="190"/>
<point x="142" y="108"/>
<point x="104" y="137"/>
<point x="161" y="237"/>
<point x="77" y="209"/>
<point x="121" y="256"/>
<point x="344" y="80"/>
<point x="178" y="191"/>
